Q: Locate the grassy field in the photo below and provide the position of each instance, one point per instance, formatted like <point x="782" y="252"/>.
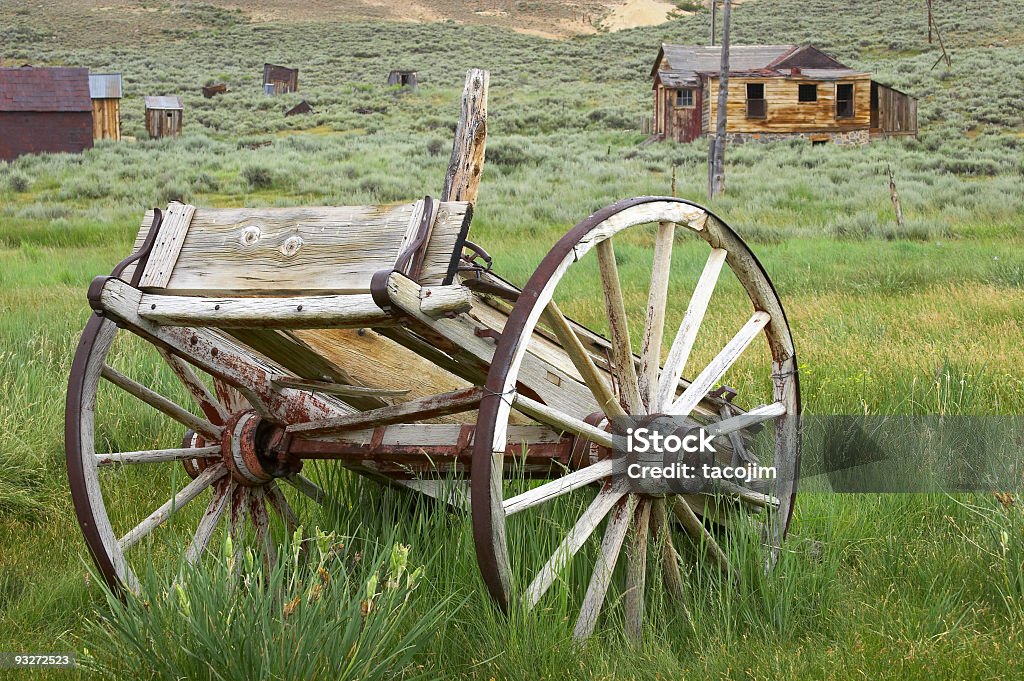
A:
<point x="919" y="319"/>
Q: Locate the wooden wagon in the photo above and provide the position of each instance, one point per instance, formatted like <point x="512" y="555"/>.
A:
<point x="378" y="338"/>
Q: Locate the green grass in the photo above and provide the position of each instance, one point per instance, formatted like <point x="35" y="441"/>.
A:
<point x="920" y="319"/>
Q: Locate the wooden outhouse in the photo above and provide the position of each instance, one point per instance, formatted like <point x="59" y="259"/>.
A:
<point x="404" y="79"/>
<point x="775" y="92"/>
<point x="278" y="80"/>
<point x="44" y="110"/>
<point x="163" y="116"/>
<point x="105" y="91"/>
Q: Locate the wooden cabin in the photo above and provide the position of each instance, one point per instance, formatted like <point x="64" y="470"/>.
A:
<point x="407" y="79"/>
<point x="279" y="80"/>
<point x="44" y="110"/>
<point x="302" y="107"/>
<point x="163" y="116"/>
<point x="105" y="91"/>
<point x="775" y="92"/>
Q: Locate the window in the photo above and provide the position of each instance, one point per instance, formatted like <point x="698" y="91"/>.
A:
<point x="756" y="106"/>
<point x="684" y="98"/>
<point x="808" y="92"/>
<point x="844" y="100"/>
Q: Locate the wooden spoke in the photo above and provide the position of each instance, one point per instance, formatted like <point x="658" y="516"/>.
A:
<point x="687" y="334"/>
<point x="307" y="487"/>
<point x="261" y="523"/>
<point x="696" y="391"/>
<point x="583" y="362"/>
<point x="737" y="423"/>
<point x="556" y="418"/>
<point x="185" y="495"/>
<point x="572" y="543"/>
<point x="277" y="501"/>
<point x="211" y="518"/>
<point x="159" y="455"/>
<point x="413" y="410"/>
<point x="559" y="486"/>
<point x="669" y="557"/>
<point x="636" y="569"/>
<point x="161" y="403"/>
<point x="212" y="408"/>
<point x="618" y="324"/>
<point x="611" y="547"/>
<point x="232" y="400"/>
<point x="700" y="535"/>
<point x="654" y="327"/>
<point x="747" y="495"/>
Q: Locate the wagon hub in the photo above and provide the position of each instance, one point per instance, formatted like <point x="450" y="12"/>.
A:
<point x="252" y="450"/>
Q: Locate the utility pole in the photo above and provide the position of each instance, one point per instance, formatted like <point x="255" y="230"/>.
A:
<point x="929" y="22"/>
<point x="713" y="21"/>
<point x="716" y="153"/>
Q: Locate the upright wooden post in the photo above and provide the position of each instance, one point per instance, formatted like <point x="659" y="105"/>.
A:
<point x="713" y="2"/>
<point x="716" y="154"/>
<point x="895" y="197"/>
<point x="929" y="22"/>
<point x="462" y="180"/>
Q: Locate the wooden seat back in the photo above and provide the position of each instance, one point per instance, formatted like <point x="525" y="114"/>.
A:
<point x="296" y="251"/>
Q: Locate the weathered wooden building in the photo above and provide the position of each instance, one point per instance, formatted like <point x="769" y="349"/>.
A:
<point x="214" y="89"/>
<point x="164" y="116"/>
<point x="775" y="92"/>
<point x="105" y="91"/>
<point x="302" y="107"/>
<point x="44" y="110"/>
<point x="278" y="80"/>
<point x="407" y="79"/>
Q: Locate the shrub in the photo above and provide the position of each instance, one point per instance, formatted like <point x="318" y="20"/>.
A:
<point x="18" y="181"/>
<point x="258" y="177"/>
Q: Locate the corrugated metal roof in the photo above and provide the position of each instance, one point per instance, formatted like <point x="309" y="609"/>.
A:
<point x="44" y="89"/>
<point x="165" y="102"/>
<point x="695" y="58"/>
<point x="105" y="85"/>
<point x="676" y="79"/>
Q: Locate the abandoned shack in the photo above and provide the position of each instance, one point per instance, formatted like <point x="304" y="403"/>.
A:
<point x="163" y="116"/>
<point x="215" y="89"/>
<point x="44" y="110"/>
<point x="302" y="107"/>
<point x="279" y="80"/>
<point x="403" y="79"/>
<point x="105" y="91"/>
<point x="775" y="92"/>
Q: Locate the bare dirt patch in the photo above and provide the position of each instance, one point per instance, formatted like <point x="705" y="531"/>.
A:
<point x="635" y="13"/>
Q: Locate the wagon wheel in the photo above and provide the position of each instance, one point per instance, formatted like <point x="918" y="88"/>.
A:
<point x="127" y="441"/>
<point x="646" y="382"/>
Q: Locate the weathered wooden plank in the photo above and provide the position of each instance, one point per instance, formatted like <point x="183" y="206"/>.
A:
<point x="308" y="312"/>
<point x="335" y="388"/>
<point x="167" y="246"/>
<point x="304" y="250"/>
<point x="654" y="326"/>
<point x="462" y="181"/>
<point x="440" y="300"/>
<point x="413" y="410"/>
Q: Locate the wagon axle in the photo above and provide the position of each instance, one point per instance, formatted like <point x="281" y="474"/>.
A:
<point x="254" y="450"/>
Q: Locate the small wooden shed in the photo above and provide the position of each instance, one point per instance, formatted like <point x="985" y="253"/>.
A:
<point x="44" y="110"/>
<point x="163" y="116"/>
<point x="403" y="78"/>
<point x="105" y="91"/>
<point x="302" y="107"/>
<point x="278" y="80"/>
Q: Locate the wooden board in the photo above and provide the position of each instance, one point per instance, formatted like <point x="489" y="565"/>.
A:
<point x="277" y="251"/>
<point x="785" y="113"/>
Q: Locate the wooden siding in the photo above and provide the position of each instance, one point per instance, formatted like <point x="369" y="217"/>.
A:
<point x="785" y="113"/>
<point x="892" y="112"/>
<point x="32" y="132"/>
<point x="163" y="122"/>
<point x="106" y="119"/>
<point x="683" y="124"/>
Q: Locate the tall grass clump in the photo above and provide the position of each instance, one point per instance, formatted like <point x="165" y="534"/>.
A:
<point x="324" y="611"/>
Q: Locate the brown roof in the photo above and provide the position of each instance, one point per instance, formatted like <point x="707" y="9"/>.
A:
<point x="682" y="63"/>
<point x="44" y="89"/>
